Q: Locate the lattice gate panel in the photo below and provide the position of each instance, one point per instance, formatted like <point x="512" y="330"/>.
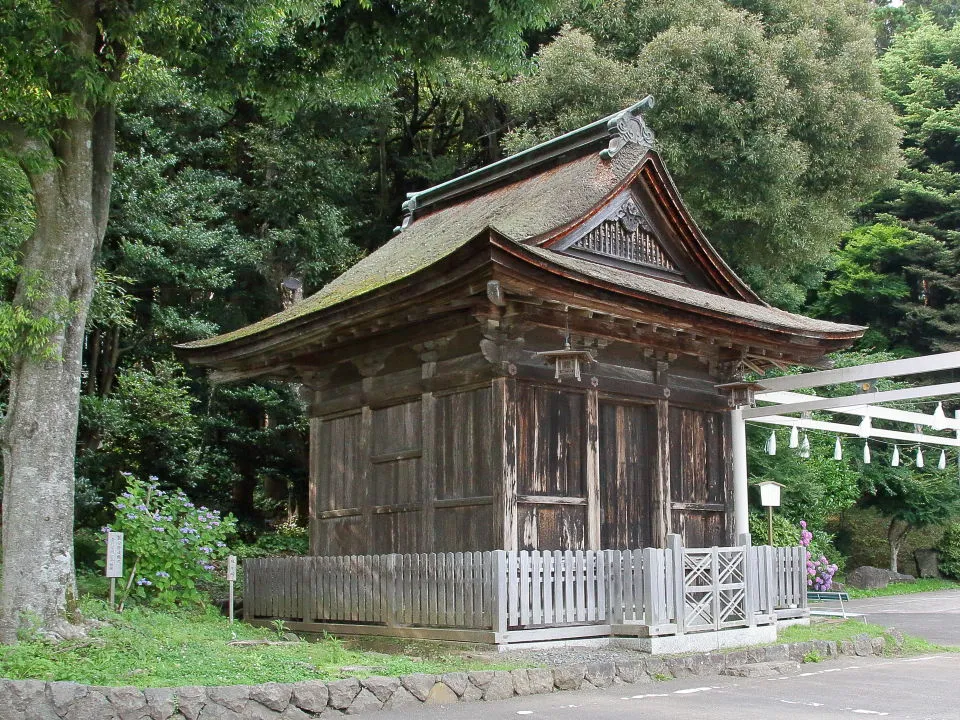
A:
<point x="714" y="588"/>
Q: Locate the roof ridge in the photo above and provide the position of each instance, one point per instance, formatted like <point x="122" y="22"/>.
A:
<point x="620" y="128"/>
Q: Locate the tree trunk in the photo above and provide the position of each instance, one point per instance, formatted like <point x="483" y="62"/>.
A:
<point x="895" y="534"/>
<point x="38" y="435"/>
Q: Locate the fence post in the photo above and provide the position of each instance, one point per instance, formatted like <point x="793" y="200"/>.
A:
<point x="675" y="544"/>
<point x="498" y="609"/>
<point x="391" y="595"/>
<point x="802" y="574"/>
<point x="306" y="588"/>
<point x="772" y="576"/>
<point x="749" y="579"/>
<point x="247" y="591"/>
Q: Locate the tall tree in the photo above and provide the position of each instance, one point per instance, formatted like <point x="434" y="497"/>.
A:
<point x="61" y="64"/>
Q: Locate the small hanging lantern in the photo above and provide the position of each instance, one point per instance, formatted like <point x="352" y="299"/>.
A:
<point x="567" y="362"/>
<point x="895" y="460"/>
<point x="866" y="453"/>
<point x="794" y="437"/>
<point x="942" y="465"/>
<point x="865" y="427"/>
<point x="837" y="450"/>
<point x="938" y="422"/>
<point x="771" y="446"/>
<point x="805" y="447"/>
<point x="919" y="457"/>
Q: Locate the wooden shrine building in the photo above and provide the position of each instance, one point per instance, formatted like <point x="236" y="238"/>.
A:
<point x="530" y="363"/>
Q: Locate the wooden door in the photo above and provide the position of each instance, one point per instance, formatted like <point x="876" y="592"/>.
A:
<point x="698" y="477"/>
<point x="627" y="456"/>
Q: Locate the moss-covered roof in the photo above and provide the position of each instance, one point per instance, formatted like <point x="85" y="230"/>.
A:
<point x="521" y="210"/>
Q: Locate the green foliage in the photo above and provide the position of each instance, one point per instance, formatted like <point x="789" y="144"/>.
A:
<point x="145" y="647"/>
<point x="769" y="114"/>
<point x="170" y="543"/>
<point x="904" y="588"/>
<point x="949" y="548"/>
<point x="918" y="498"/>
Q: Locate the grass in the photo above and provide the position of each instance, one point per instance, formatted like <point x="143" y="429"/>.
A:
<point x="921" y="585"/>
<point x="148" y="648"/>
<point x="840" y="630"/>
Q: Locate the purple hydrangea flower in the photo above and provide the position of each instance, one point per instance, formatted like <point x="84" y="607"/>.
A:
<point x="144" y="581"/>
<point x="161" y="573"/>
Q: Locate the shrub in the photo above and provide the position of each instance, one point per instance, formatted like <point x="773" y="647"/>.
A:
<point x="171" y="543"/>
<point x="950" y="551"/>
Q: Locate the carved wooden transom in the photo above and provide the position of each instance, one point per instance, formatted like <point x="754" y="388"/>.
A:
<point x="626" y="236"/>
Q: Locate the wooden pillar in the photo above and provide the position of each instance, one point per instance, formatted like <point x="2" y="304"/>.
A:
<point x="505" y="505"/>
<point x="316" y="425"/>
<point x="366" y="478"/>
<point x="662" y="521"/>
<point x="428" y="462"/>
<point x="593" y="471"/>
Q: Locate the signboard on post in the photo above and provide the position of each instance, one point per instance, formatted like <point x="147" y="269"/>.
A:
<point x="231" y="578"/>
<point x="114" y="554"/>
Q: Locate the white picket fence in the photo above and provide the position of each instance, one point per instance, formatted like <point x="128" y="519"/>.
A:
<point x="484" y="595"/>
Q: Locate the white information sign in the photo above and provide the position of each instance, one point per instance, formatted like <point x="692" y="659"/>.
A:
<point x="114" y="554"/>
<point x="232" y="568"/>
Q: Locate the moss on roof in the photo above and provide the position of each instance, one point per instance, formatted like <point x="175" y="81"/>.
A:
<point x="522" y="210"/>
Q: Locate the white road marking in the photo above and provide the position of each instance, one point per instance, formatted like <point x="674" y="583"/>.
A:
<point x="800" y="702"/>
<point x="641" y="697"/>
<point x="691" y="690"/>
<point x="524" y="712"/>
<point x="870" y="712"/>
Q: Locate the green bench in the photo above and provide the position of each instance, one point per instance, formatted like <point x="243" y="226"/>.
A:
<point x="841" y="597"/>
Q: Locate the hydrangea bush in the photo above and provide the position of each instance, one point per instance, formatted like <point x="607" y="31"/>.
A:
<point x="170" y="544"/>
<point x="820" y="571"/>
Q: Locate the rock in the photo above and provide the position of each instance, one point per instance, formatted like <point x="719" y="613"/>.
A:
<point x="877" y="645"/>
<point x="657" y="669"/>
<point x="294" y="713"/>
<point x="500" y="687"/>
<point x="190" y="701"/>
<point x="630" y="671"/>
<point x="273" y="695"/>
<point x="290" y="637"/>
<point x="872" y="578"/>
<point x="401" y="698"/>
<point x="862" y="645"/>
<point x="258" y="711"/>
<point x="928" y="563"/>
<point x="63" y="693"/>
<point x="481" y="678"/>
<point x="897" y="637"/>
<point x="473" y="693"/>
<point x="569" y="677"/>
<point x="846" y="647"/>
<point x="310" y="695"/>
<point x="735" y="658"/>
<point x="762" y="670"/>
<point x="342" y="692"/>
<point x="456" y="681"/>
<point x="382" y="687"/>
<point x="441" y="694"/>
<point x="365" y="701"/>
<point x="161" y="702"/>
<point x="776" y="653"/>
<point x="127" y="701"/>
<point x="232" y="697"/>
<point x="521" y="682"/>
<point x="541" y="680"/>
<point x="601" y="674"/>
<point x="213" y="711"/>
<point x="92" y="706"/>
<point x="679" y="667"/>
<point x="419" y="684"/>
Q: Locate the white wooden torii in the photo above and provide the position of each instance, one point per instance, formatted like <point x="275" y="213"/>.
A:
<point x="779" y="393"/>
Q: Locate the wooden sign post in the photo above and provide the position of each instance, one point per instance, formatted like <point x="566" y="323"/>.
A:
<point x="231" y="578"/>
<point x="114" y="563"/>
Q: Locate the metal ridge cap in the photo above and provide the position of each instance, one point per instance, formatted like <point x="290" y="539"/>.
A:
<point x="550" y="149"/>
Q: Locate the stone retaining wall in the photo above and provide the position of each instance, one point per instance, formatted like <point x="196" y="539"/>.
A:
<point x="39" y="700"/>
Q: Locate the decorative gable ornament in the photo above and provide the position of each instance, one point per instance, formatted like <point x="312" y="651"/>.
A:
<point x="629" y="127"/>
<point x="628" y="236"/>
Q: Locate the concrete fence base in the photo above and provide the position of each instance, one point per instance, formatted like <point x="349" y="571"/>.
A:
<point x="39" y="700"/>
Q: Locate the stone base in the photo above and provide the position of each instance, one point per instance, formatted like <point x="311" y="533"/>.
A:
<point x="700" y="642"/>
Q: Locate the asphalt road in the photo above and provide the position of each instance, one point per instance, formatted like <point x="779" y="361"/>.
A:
<point x="934" y="616"/>
<point x="926" y="687"/>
